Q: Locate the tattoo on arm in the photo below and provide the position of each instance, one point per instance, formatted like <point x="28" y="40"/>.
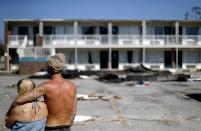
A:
<point x="33" y="95"/>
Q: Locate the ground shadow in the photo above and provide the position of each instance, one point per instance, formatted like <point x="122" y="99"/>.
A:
<point x="196" y="96"/>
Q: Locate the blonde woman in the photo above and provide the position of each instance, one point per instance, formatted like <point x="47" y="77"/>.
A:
<point x="30" y="116"/>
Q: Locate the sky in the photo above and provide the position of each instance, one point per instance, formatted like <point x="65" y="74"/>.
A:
<point x="95" y="9"/>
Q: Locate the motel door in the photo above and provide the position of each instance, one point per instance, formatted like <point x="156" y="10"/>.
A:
<point x="104" y="59"/>
<point x="168" y="59"/>
<point x="179" y="59"/>
<point x="115" y="59"/>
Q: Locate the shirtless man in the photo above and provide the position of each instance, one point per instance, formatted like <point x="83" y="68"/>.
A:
<point x="59" y="94"/>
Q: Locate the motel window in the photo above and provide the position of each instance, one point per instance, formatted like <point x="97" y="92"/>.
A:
<point x="159" y="31"/>
<point x="103" y="30"/>
<point x="48" y="30"/>
<point x="115" y="30"/>
<point x="88" y="30"/>
<point x="192" y="30"/>
<point x="23" y="30"/>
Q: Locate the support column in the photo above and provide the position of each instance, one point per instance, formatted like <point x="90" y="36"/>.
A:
<point x="75" y="32"/>
<point x="39" y="38"/>
<point x="41" y="28"/>
<point x="177" y="32"/>
<point x="143" y="55"/>
<point x="110" y="33"/>
<point x="144" y="30"/>
<point x="110" y="43"/>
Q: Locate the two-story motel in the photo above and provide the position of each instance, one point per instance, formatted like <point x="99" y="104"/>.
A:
<point x="105" y="44"/>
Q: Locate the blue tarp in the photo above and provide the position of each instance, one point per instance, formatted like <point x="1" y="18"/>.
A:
<point x="33" y="59"/>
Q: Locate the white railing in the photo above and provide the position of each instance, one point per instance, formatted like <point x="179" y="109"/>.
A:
<point x="159" y="40"/>
<point x="102" y="40"/>
<point x="190" y="40"/>
<point x="126" y="39"/>
<point x="35" y="52"/>
<point x="17" y="40"/>
<point x="49" y="40"/>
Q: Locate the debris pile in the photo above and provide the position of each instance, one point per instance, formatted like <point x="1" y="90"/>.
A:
<point x="139" y="73"/>
<point x="130" y="74"/>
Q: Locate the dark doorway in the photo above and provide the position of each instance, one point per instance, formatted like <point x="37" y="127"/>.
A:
<point x="35" y="32"/>
<point x="14" y="58"/>
<point x="115" y="59"/>
<point x="179" y="59"/>
<point x="129" y="56"/>
<point x="168" y="59"/>
<point x="23" y="31"/>
<point x="103" y="59"/>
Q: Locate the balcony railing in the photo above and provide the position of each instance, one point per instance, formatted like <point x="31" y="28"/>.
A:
<point x="35" y="52"/>
<point x="17" y="40"/>
<point x="104" y="40"/>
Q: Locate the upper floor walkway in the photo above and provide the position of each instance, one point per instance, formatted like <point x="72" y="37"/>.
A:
<point x="99" y="41"/>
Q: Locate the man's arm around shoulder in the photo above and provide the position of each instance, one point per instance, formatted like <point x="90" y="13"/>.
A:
<point x="29" y="97"/>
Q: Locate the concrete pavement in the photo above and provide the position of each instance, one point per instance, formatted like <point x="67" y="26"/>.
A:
<point x="158" y="106"/>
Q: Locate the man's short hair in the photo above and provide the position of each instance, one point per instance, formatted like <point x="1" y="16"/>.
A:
<point x="24" y="86"/>
<point x="56" y="63"/>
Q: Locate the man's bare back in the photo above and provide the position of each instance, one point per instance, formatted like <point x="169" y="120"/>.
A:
<point x="60" y="98"/>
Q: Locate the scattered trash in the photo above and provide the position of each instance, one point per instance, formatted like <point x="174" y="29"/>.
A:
<point x="117" y="97"/>
<point x="83" y="118"/>
<point x="83" y="77"/>
<point x="96" y="97"/>
<point x="194" y="78"/>
<point x="86" y="97"/>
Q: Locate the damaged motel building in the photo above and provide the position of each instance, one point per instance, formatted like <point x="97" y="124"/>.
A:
<point x="103" y="44"/>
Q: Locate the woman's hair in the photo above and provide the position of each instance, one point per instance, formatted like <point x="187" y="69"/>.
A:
<point x="24" y="86"/>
